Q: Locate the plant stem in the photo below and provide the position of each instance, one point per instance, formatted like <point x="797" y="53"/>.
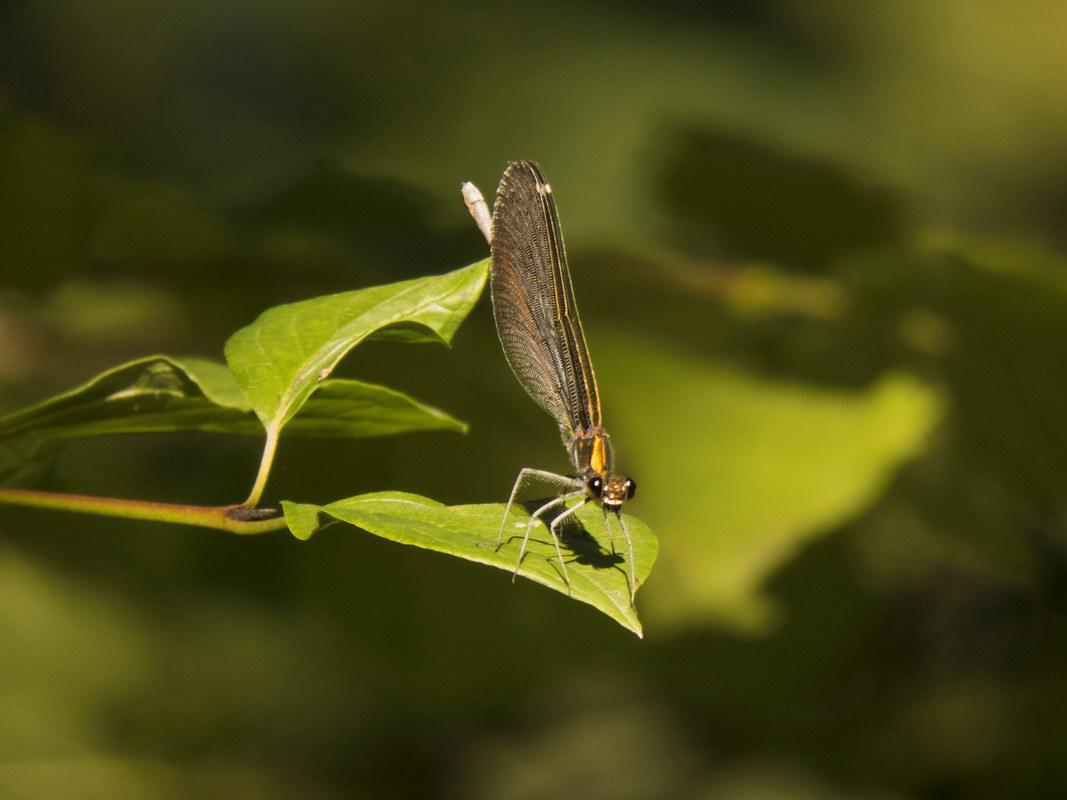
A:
<point x="219" y="517"/>
<point x="265" y="463"/>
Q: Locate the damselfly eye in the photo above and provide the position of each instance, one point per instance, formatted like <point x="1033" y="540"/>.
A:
<point x="595" y="486"/>
<point x="629" y="486"/>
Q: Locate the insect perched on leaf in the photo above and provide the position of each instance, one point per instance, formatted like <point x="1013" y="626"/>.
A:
<point x="537" y="321"/>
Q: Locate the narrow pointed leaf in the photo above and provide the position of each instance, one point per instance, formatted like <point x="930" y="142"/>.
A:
<point x="150" y="394"/>
<point x="160" y="393"/>
<point x="281" y="358"/>
<point x="597" y="577"/>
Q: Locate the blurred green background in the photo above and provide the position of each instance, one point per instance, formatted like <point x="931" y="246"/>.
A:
<point x="819" y="248"/>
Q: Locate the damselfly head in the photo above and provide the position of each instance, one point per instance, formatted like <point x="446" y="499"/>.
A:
<point x="611" y="490"/>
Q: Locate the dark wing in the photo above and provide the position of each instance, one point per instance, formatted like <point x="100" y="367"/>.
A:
<point x="533" y="301"/>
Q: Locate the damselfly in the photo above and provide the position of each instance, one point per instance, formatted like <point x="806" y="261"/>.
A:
<point x="537" y="321"/>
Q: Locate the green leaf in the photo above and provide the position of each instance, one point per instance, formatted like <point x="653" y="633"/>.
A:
<point x="596" y="576"/>
<point x="160" y="393"/>
<point x="281" y="358"/>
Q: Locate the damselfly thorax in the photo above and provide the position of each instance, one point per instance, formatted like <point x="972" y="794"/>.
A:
<point x="592" y="456"/>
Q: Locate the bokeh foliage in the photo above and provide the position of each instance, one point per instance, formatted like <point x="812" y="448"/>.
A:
<point x="819" y="253"/>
